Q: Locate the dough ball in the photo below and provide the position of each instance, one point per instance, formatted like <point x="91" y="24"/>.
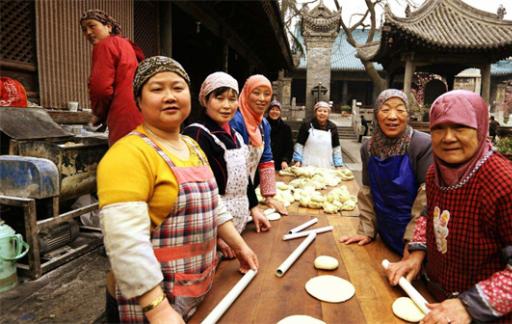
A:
<point x="326" y="262"/>
<point x="407" y="310"/>
<point x="300" y="319"/>
<point x="330" y="289"/>
<point x="273" y="216"/>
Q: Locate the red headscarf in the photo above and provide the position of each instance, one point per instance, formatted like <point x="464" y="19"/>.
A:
<point x="464" y="108"/>
<point x="251" y="118"/>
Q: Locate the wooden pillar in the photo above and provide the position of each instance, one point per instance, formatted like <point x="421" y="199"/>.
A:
<point x="485" y="72"/>
<point x="225" y="57"/>
<point x="344" y="92"/>
<point x="409" y="71"/>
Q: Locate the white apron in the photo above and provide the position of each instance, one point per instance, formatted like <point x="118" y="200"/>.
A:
<point x="318" y="149"/>
<point x="235" y="196"/>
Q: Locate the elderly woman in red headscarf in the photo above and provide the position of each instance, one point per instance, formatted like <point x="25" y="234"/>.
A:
<point x="114" y="61"/>
<point x="255" y="130"/>
<point x="464" y="239"/>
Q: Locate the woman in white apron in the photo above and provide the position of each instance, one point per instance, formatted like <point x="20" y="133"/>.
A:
<point x="318" y="143"/>
<point x="255" y="130"/>
<point x="226" y="152"/>
<point x="160" y="209"/>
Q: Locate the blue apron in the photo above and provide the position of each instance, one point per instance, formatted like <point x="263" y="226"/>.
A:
<point x="394" y="188"/>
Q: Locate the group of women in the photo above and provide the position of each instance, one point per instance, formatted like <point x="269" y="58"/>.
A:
<point x="169" y="197"/>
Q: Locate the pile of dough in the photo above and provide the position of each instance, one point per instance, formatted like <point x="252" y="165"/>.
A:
<point x="273" y="216"/>
<point x="300" y="319"/>
<point x="330" y="289"/>
<point x="326" y="262"/>
<point x="407" y="310"/>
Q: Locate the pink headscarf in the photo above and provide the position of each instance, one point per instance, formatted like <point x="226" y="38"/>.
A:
<point x="214" y="81"/>
<point x="464" y="108"/>
<point x="251" y="118"/>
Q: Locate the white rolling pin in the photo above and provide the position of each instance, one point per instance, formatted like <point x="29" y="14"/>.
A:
<point x="306" y="233"/>
<point x="281" y="270"/>
<point x="303" y="226"/>
<point x="416" y="297"/>
<point x="230" y="297"/>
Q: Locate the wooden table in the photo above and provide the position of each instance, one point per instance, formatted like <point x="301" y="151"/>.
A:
<point x="269" y="299"/>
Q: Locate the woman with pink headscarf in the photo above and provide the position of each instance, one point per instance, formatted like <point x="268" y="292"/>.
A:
<point x="464" y="239"/>
<point x="255" y="130"/>
<point x="226" y="152"/>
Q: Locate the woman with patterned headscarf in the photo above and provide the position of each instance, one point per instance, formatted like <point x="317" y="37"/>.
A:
<point x="249" y="121"/>
<point x="465" y="235"/>
<point x="160" y="209"/>
<point x="395" y="161"/>
<point x="226" y="152"/>
<point x="318" y="143"/>
<point x="114" y="61"/>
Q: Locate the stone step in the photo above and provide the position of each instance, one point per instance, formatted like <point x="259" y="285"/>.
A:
<point x="346" y="132"/>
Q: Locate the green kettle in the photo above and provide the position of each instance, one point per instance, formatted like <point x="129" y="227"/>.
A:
<point x="12" y="248"/>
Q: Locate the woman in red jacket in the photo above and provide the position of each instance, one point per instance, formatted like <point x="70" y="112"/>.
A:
<point x="114" y="61"/>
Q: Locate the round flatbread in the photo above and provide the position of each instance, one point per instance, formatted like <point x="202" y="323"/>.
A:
<point x="300" y="319"/>
<point x="326" y="262"/>
<point x="407" y="310"/>
<point x="273" y="216"/>
<point x="269" y="211"/>
<point x="330" y="289"/>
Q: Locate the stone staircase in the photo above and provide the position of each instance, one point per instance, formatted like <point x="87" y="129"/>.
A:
<point x="346" y="132"/>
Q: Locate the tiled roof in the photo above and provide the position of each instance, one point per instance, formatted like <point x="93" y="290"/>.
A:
<point x="502" y="68"/>
<point x="343" y="57"/>
<point x="452" y="24"/>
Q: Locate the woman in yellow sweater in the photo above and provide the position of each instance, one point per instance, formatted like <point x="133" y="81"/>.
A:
<point x="160" y="209"/>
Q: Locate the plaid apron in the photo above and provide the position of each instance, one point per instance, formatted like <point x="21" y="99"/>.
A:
<point x="185" y="243"/>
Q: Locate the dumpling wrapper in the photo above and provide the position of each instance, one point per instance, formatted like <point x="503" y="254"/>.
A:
<point x="269" y="211"/>
<point x="326" y="262"/>
<point x="273" y="216"/>
<point x="330" y="289"/>
<point x="300" y="319"/>
<point x="406" y="309"/>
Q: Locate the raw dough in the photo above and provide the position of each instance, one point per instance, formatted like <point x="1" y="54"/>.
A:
<point x="331" y="289"/>
<point x="326" y="262"/>
<point x="407" y="310"/>
<point x="273" y="216"/>
<point x="300" y="319"/>
<point x="269" y="211"/>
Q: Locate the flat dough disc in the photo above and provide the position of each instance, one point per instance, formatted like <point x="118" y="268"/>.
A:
<point x="326" y="262"/>
<point x="406" y="309"/>
<point x="273" y="216"/>
<point x="269" y="211"/>
<point x="300" y="319"/>
<point x="331" y="289"/>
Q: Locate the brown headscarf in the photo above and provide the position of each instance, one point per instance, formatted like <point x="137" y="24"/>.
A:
<point x="103" y="18"/>
<point x="381" y="145"/>
<point x="251" y="118"/>
<point x="464" y="108"/>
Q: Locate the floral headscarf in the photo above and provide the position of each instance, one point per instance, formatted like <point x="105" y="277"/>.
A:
<point x="381" y="145"/>
<point x="251" y="118"/>
<point x="153" y="65"/>
<point x="103" y="18"/>
<point x="464" y="108"/>
<point x="214" y="81"/>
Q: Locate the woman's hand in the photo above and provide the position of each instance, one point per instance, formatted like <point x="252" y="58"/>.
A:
<point x="247" y="258"/>
<point x="450" y="311"/>
<point x="277" y="205"/>
<point x="164" y="314"/>
<point x="260" y="220"/>
<point x="227" y="252"/>
<point x="408" y="267"/>
<point x="359" y="239"/>
<point x="284" y="165"/>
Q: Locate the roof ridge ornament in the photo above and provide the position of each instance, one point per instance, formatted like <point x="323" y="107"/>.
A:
<point x="501" y="12"/>
<point x="320" y="21"/>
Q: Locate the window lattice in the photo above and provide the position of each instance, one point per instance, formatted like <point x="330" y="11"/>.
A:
<point x="146" y="27"/>
<point x="17" y="31"/>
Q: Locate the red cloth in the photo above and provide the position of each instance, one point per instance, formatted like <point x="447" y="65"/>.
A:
<point x="114" y="62"/>
<point x="479" y="227"/>
<point x="12" y="93"/>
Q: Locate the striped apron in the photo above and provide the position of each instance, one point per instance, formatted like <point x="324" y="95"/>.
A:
<point x="185" y="242"/>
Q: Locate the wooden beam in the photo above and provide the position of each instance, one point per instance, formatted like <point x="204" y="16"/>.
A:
<point x="485" y="72"/>
<point x="409" y="71"/>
